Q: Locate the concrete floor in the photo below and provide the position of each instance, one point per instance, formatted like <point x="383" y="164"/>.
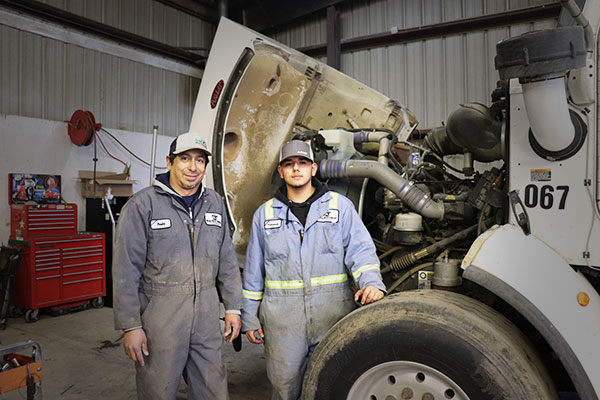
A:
<point x="84" y="359"/>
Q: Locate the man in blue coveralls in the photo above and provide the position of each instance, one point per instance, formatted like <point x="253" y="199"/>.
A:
<point x="305" y="246"/>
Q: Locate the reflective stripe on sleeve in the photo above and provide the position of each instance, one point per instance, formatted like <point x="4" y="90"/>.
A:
<point x="248" y="294"/>
<point x="269" y="209"/>
<point x="333" y="203"/>
<point x="328" y="279"/>
<point x="284" y="284"/>
<point x="356" y="274"/>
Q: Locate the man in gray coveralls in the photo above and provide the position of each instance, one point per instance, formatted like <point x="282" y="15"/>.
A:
<point x="172" y="246"/>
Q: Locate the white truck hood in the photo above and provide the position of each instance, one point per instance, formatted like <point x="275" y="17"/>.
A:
<point x="255" y="95"/>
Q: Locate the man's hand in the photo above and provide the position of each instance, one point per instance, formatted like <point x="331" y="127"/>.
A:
<point x="136" y="345"/>
<point x="252" y="336"/>
<point x="233" y="324"/>
<point x="368" y="295"/>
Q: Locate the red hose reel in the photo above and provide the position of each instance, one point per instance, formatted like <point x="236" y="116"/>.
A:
<point x="83" y="127"/>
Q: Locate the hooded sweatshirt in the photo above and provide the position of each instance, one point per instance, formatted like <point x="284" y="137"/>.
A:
<point x="300" y="210"/>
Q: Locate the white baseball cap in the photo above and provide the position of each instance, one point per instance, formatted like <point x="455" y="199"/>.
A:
<point x="188" y="141"/>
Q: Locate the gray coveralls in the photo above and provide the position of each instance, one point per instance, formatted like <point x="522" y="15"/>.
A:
<point x="166" y="269"/>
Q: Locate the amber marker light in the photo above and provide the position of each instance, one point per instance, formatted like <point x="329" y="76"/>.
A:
<point x="583" y="299"/>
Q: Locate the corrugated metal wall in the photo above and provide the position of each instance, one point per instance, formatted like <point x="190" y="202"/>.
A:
<point x="146" y="18"/>
<point x="48" y="79"/>
<point x="431" y="77"/>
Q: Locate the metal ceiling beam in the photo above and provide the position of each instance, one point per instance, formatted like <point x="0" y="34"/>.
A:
<point x="41" y="27"/>
<point x="442" y="29"/>
<point x="56" y="15"/>
<point x="267" y="15"/>
<point x="333" y="38"/>
<point x="194" y="8"/>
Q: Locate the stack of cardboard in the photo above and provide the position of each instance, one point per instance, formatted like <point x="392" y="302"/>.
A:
<point x="98" y="186"/>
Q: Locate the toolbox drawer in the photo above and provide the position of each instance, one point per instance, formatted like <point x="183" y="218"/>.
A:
<point x="83" y="287"/>
<point x="28" y="221"/>
<point x="47" y="290"/>
<point x="55" y="270"/>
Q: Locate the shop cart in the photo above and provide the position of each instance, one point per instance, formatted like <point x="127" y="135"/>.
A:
<point x="20" y="371"/>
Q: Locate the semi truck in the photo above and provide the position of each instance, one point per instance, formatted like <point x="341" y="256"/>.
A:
<point x="486" y="227"/>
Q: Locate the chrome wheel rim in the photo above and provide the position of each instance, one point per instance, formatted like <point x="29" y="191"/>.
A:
<point x="405" y="380"/>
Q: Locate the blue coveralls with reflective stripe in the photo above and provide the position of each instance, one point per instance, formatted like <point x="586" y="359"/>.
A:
<point x="297" y="281"/>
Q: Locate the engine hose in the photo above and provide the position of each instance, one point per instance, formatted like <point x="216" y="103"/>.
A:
<point x="368" y="136"/>
<point x="406" y="260"/>
<point x="410" y="195"/>
<point x="401" y="262"/>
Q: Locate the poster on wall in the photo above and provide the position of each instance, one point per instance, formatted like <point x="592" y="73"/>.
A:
<point x="34" y="188"/>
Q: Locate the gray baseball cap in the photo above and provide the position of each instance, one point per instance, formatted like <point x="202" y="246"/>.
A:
<point x="188" y="141"/>
<point x="296" y="148"/>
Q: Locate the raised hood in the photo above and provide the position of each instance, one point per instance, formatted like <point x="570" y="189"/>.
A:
<point x="255" y="95"/>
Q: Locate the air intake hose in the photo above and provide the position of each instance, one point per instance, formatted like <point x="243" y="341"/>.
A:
<point x="411" y="195"/>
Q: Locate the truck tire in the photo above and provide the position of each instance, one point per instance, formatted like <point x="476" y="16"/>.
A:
<point x="426" y="344"/>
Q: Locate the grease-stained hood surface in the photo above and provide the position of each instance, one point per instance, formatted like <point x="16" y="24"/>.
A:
<point x="256" y="94"/>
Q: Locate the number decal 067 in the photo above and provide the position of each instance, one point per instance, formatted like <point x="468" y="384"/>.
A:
<point x="544" y="196"/>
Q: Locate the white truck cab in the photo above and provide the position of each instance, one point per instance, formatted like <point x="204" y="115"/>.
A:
<point x="492" y="274"/>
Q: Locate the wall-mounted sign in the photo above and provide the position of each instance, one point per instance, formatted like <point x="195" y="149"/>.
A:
<point x="33" y="188"/>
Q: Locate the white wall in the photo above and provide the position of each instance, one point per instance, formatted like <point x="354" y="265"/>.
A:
<point x="30" y="145"/>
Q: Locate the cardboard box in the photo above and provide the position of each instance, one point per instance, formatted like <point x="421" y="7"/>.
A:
<point x="118" y="183"/>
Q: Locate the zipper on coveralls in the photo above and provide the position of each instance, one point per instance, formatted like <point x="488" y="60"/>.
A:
<point x="301" y="232"/>
<point x="192" y="246"/>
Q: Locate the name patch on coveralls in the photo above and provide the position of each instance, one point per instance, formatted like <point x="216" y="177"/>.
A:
<point x="272" y="224"/>
<point x="160" y="223"/>
<point x="331" y="216"/>
<point x="212" y="219"/>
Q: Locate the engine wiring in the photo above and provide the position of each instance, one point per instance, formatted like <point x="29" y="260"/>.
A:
<point x="425" y="150"/>
<point x="486" y="210"/>
<point x="395" y="163"/>
<point x="423" y="165"/>
<point x="406" y="275"/>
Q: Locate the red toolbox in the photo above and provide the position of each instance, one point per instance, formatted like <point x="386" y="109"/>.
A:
<point x="27" y="220"/>
<point x="59" y="267"/>
<point x="56" y="270"/>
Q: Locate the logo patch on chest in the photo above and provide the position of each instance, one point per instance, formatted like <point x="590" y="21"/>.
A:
<point x="272" y="224"/>
<point x="160" y="223"/>
<point x="212" y="219"/>
<point x="331" y="216"/>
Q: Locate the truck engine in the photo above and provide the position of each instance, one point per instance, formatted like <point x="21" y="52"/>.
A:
<point x="416" y="204"/>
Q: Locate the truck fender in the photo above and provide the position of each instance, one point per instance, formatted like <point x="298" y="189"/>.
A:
<point x="555" y="298"/>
